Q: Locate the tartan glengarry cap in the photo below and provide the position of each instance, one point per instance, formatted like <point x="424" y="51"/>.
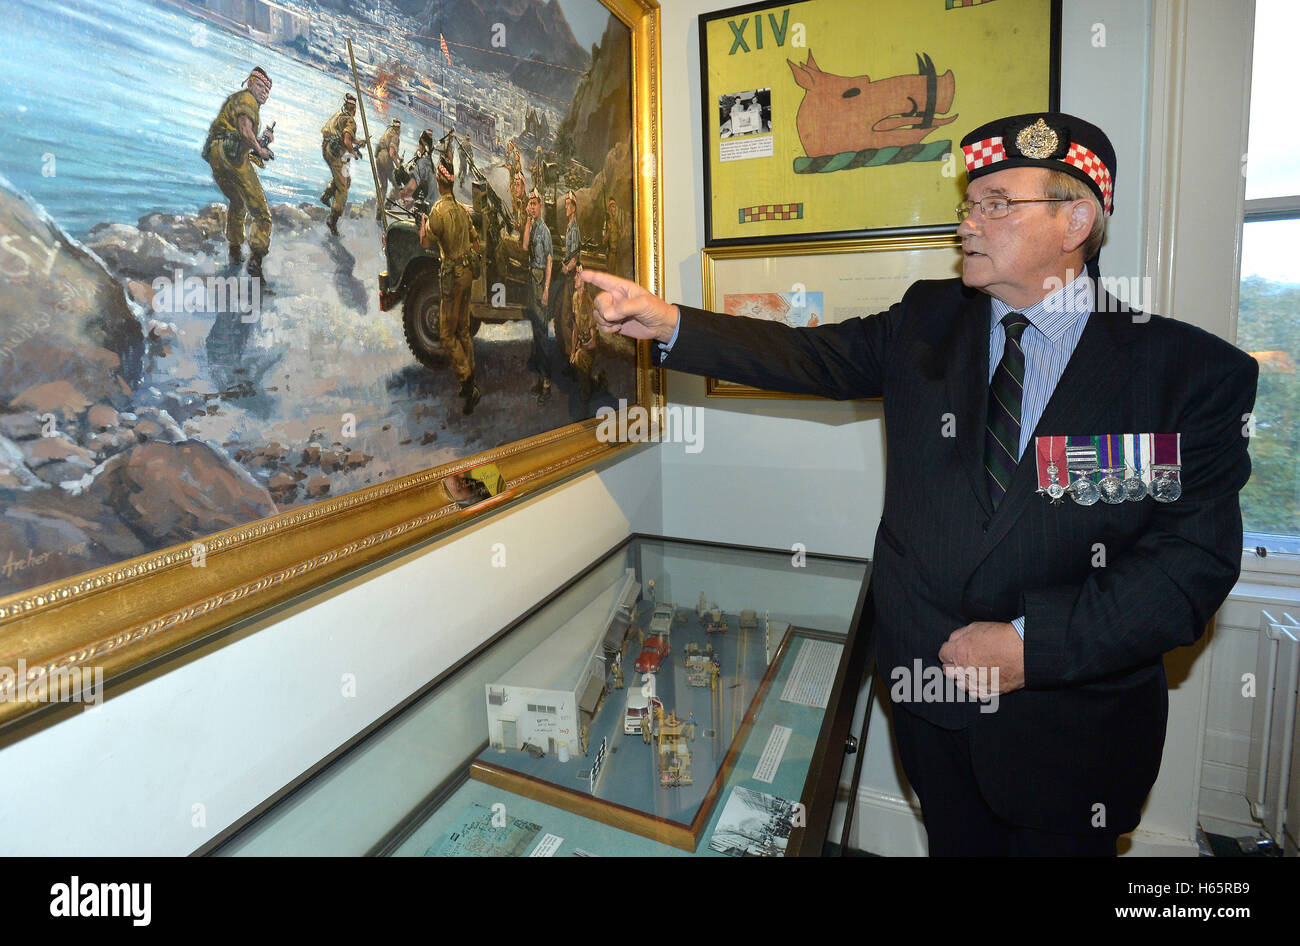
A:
<point x="1050" y="140"/>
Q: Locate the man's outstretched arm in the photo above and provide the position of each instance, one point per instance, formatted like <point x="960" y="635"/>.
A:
<point x="842" y="360"/>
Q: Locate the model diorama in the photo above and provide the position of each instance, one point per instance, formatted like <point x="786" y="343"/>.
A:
<point x="554" y="735"/>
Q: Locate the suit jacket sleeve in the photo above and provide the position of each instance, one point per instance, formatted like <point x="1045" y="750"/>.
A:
<point x="1161" y="592"/>
<point x="841" y="360"/>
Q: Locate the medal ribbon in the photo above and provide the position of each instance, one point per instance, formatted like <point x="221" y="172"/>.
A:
<point x="1137" y="453"/>
<point x="1081" y="456"/>
<point x="1110" y="451"/>
<point x="1050" y="449"/>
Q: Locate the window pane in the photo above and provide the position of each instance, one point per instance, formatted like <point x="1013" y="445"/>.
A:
<point x="1268" y="326"/>
<point x="1273" y="168"/>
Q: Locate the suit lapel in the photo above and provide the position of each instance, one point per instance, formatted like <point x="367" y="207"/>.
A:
<point x="967" y="358"/>
<point x="1092" y="379"/>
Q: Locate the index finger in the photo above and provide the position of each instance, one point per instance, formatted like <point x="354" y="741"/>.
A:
<point x="607" y="281"/>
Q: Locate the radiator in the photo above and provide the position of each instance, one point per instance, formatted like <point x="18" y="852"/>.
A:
<point x="1273" y="723"/>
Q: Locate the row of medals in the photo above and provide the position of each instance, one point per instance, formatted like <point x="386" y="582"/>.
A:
<point x="1111" y="489"/>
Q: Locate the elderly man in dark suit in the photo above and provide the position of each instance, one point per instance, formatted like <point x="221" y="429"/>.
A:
<point x="1060" y="495"/>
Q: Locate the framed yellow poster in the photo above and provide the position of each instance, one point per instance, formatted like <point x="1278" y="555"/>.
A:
<point x="835" y="119"/>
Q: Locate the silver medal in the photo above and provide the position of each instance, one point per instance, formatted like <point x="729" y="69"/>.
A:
<point x="1084" y="491"/>
<point x="1134" y="488"/>
<point x="1164" y="488"/>
<point x="1054" y="489"/>
<point x="1111" y="489"/>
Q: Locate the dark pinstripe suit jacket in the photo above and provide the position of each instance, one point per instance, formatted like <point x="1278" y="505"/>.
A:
<point x="1088" y="728"/>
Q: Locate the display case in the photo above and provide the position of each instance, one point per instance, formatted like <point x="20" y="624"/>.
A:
<point x="675" y="697"/>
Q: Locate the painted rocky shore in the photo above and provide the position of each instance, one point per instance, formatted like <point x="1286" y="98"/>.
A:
<point x="135" y="416"/>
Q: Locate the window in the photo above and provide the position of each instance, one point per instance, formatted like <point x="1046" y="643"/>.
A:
<point x="1268" y="315"/>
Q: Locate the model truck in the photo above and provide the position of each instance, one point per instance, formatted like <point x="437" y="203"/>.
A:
<point x="699" y="664"/>
<point x="674" y="753"/>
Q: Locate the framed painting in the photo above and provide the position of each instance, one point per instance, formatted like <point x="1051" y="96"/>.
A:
<point x="288" y="287"/>
<point x="838" y="119"/>
<point x="810" y="284"/>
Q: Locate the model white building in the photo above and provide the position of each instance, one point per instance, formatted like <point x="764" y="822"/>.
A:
<point x="546" y="697"/>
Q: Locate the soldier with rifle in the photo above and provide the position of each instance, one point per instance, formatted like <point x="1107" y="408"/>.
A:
<point x="231" y="147"/>
<point x="338" y="145"/>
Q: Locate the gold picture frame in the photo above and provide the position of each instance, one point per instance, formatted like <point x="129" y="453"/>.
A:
<point x="825" y="271"/>
<point x="119" y="618"/>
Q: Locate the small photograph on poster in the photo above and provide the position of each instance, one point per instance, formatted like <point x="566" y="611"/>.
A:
<point x="799" y="309"/>
<point x="745" y="113"/>
<point x="753" y="824"/>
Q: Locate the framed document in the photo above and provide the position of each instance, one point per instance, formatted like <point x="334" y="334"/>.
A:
<point x="810" y="284"/>
<point x="830" y="119"/>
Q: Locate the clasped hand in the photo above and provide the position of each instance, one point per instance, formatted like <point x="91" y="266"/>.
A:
<point x="985" y="659"/>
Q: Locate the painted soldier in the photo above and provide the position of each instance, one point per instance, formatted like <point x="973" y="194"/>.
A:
<point x="538" y="247"/>
<point x="519" y="201"/>
<point x="386" y="159"/>
<point x="612" y="236"/>
<point x="449" y="226"/>
<point x="339" y="145"/>
<point x="570" y="264"/>
<point x="421" y="183"/>
<point x="232" y="138"/>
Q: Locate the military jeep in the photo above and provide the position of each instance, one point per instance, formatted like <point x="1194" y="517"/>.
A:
<point x="499" y="294"/>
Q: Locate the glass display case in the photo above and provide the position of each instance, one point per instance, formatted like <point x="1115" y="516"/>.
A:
<point x="676" y="697"/>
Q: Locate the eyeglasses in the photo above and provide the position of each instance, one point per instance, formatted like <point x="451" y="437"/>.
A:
<point x="994" y="207"/>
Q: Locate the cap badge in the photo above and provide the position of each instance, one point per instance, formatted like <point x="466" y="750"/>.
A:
<point x="1037" y="140"/>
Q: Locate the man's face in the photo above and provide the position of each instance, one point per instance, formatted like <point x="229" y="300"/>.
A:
<point x="261" y="90"/>
<point x="570" y="208"/>
<point x="534" y="207"/>
<point x="612" y="208"/>
<point x="1013" y="257"/>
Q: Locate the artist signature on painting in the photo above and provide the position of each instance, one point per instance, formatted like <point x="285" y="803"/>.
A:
<point x="13" y="565"/>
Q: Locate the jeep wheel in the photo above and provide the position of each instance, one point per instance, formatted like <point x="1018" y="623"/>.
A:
<point x="420" y="322"/>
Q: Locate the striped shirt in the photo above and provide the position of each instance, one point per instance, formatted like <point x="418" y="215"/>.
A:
<point x="1055" y="323"/>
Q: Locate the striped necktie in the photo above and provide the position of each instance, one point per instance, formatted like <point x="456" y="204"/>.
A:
<point x="1002" y="436"/>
